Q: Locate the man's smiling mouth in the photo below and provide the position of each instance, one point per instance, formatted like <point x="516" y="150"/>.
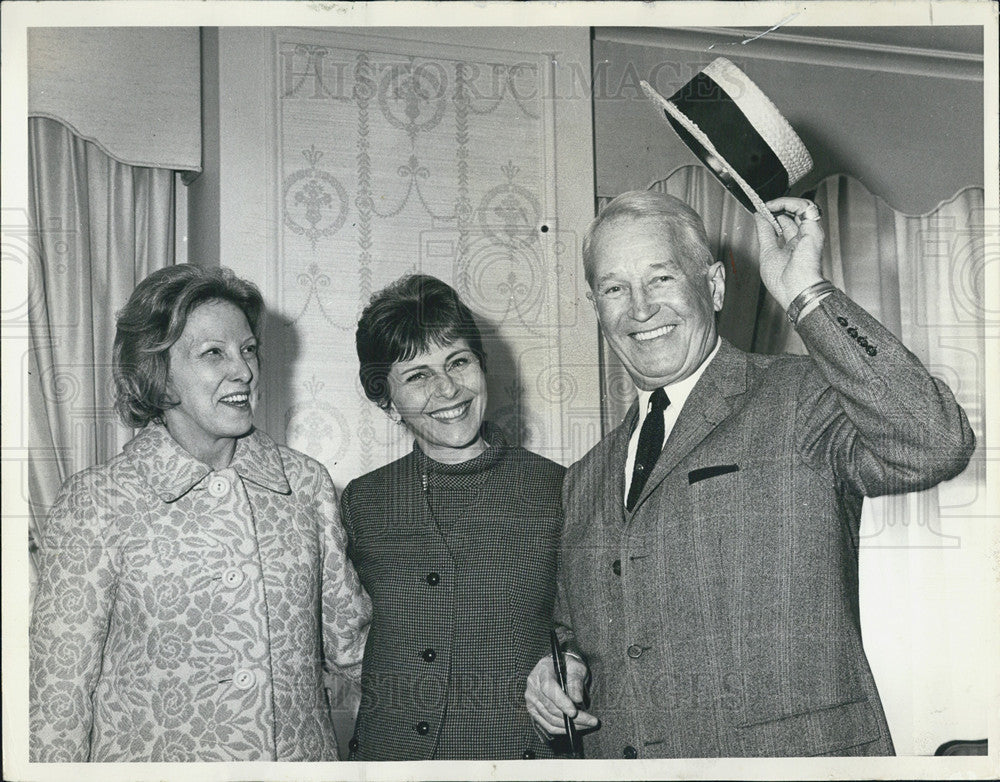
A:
<point x="645" y="336"/>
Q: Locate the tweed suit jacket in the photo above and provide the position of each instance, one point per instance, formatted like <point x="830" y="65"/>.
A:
<point x="720" y="617"/>
<point x="461" y="612"/>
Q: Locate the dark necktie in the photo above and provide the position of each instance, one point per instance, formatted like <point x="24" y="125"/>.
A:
<point x="650" y="445"/>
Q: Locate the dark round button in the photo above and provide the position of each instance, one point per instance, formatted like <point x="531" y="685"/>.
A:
<point x="870" y="350"/>
<point x="352" y="745"/>
<point x="842" y="320"/>
<point x="634" y="651"/>
<point x="853" y="332"/>
<point x="629" y="752"/>
<point x="429" y="655"/>
<point x="433" y="579"/>
<point x="863" y="341"/>
<point x="528" y="754"/>
<point x="423" y="728"/>
<point x="617" y="567"/>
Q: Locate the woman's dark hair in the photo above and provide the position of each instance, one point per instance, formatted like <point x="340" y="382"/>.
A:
<point x="410" y="316"/>
<point x="154" y="318"/>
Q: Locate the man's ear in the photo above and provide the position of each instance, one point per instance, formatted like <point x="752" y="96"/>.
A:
<point x="717" y="284"/>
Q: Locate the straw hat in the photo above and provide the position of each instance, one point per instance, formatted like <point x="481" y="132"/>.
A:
<point x="737" y="133"/>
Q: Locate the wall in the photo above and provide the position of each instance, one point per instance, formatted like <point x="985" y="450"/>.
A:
<point x="326" y="193"/>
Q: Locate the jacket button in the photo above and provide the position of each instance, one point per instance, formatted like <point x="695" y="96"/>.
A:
<point x="352" y="745"/>
<point x="629" y="752"/>
<point x="423" y="728"/>
<point x="528" y="754"/>
<point x="429" y="655"/>
<point x="244" y="679"/>
<point x="842" y="320"/>
<point x="634" y="651"/>
<point x="870" y="350"/>
<point x="232" y="578"/>
<point x="433" y="579"/>
<point x="218" y="486"/>
<point x="617" y="567"/>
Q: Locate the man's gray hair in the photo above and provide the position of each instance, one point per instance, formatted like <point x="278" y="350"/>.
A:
<point x="683" y="224"/>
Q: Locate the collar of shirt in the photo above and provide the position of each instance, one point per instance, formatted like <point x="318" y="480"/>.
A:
<point x="677" y="393"/>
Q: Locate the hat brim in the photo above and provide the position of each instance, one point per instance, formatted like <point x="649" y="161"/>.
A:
<point x="699" y="143"/>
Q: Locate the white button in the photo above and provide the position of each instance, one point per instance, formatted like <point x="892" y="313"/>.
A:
<point x="244" y="679"/>
<point x="218" y="486"/>
<point x="233" y="577"/>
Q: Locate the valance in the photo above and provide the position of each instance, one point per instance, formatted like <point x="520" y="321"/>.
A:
<point x="133" y="91"/>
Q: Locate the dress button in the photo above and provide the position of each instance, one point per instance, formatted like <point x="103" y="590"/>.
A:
<point x="634" y="651"/>
<point x="433" y="579"/>
<point x="352" y="745"/>
<point x="244" y="679"/>
<point x="617" y="567"/>
<point x="528" y="754"/>
<point x="429" y="655"/>
<point x="842" y="320"/>
<point x="629" y="752"/>
<point x="853" y="332"/>
<point x="423" y="728"/>
<point x="870" y="350"/>
<point x="863" y="341"/>
<point x="218" y="486"/>
<point x="232" y="578"/>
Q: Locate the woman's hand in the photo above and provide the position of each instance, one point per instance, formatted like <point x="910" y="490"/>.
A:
<point x="792" y="262"/>
<point x="546" y="701"/>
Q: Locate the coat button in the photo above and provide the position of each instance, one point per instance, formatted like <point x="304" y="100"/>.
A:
<point x="842" y="320"/>
<point x="429" y="655"/>
<point x="352" y="745"/>
<point x="629" y="752"/>
<point x="232" y="578"/>
<point x="870" y="350"/>
<point x="433" y="579"/>
<point x="244" y="679"/>
<point x="634" y="651"/>
<point x="218" y="486"/>
<point x="423" y="728"/>
<point x="528" y="754"/>
<point x="617" y="567"/>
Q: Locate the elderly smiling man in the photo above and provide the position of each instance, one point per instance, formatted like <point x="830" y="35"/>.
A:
<point x="709" y="575"/>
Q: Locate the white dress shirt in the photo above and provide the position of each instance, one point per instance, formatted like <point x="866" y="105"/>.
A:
<point x="677" y="393"/>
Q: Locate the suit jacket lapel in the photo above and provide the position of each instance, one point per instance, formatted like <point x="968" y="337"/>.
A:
<point x="706" y="407"/>
<point x="614" y="465"/>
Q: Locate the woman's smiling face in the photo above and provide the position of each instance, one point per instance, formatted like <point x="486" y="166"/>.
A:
<point x="441" y="397"/>
<point x="213" y="378"/>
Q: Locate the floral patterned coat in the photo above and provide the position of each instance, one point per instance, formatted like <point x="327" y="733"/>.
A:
<point x="186" y="614"/>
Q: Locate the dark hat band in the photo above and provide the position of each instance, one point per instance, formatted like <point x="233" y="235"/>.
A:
<point x="743" y="149"/>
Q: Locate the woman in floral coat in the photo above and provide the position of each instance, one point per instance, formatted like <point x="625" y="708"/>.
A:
<point x="194" y="590"/>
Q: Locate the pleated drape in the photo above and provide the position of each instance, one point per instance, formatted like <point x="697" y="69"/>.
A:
<point x="99" y="227"/>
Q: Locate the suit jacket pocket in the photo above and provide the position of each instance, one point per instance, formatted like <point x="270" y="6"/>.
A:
<point x="702" y="473"/>
<point x="832" y="730"/>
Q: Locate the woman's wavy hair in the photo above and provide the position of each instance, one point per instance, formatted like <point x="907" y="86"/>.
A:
<point x="153" y="319"/>
<point x="410" y="316"/>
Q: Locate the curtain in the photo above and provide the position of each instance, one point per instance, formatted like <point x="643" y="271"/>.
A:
<point x="99" y="227"/>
